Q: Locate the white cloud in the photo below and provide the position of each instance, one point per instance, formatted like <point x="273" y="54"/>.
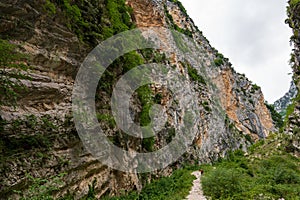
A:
<point x="252" y="34"/>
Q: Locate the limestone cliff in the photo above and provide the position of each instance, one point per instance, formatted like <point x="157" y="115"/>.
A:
<point x="38" y="137"/>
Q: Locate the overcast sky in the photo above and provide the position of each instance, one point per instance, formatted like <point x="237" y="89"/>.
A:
<point x="252" y="34"/>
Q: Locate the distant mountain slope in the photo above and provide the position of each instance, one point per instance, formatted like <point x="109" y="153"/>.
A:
<point x="282" y="103"/>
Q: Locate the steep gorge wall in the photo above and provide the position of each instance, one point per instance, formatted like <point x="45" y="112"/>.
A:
<point x="293" y="110"/>
<point x="38" y="136"/>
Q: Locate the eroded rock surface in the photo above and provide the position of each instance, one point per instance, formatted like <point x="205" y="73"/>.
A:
<point x="39" y="137"/>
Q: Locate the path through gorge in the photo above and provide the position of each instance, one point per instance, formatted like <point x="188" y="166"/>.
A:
<point x="196" y="192"/>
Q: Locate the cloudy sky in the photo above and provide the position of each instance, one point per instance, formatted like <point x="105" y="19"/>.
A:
<point x="253" y="35"/>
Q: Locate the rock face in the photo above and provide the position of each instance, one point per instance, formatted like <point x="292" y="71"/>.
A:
<point x="282" y="103"/>
<point x="38" y="136"/>
<point x="294" y="116"/>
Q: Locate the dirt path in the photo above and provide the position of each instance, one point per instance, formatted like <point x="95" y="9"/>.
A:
<point x="196" y="192"/>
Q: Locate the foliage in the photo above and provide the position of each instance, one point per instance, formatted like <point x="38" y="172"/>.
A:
<point x="255" y="87"/>
<point x="277" y="118"/>
<point x="148" y="144"/>
<point x="12" y="59"/>
<point x="92" y="193"/>
<point x="206" y="106"/>
<point x="146" y="98"/>
<point x="274" y="175"/>
<point x="50" y="7"/>
<point x="294" y="2"/>
<point x="118" y="15"/>
<point x="193" y="74"/>
<point x="219" y="60"/>
<point x="9" y="56"/>
<point x="41" y="188"/>
<point x="224" y="182"/>
<point x="248" y="138"/>
<point x="173" y="24"/>
<point x="290" y="109"/>
<point x="40" y="141"/>
<point x="107" y="118"/>
<point x="176" y="186"/>
<point x="179" y="4"/>
<point x="131" y="60"/>
<point x="92" y="22"/>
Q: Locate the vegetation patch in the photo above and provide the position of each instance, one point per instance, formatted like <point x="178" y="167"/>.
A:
<point x="94" y="22"/>
<point x="277" y="118"/>
<point x="193" y="74"/>
<point x="267" y="173"/>
<point x="174" y="25"/>
<point x="219" y="59"/>
<point x="107" y="118"/>
<point x="181" y="7"/>
<point x="41" y="188"/>
<point x="12" y="63"/>
<point x="50" y="7"/>
<point x="294" y="2"/>
<point x="291" y="108"/>
<point x="174" y="187"/>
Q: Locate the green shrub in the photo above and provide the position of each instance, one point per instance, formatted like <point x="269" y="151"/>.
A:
<point x="219" y="59"/>
<point x="11" y="58"/>
<point x="218" y="62"/>
<point x="92" y="22"/>
<point x="107" y="118"/>
<point x="277" y="118"/>
<point x="50" y="7"/>
<point x="41" y="188"/>
<point x="130" y="61"/>
<point x="290" y="109"/>
<point x="179" y="4"/>
<point x="193" y="74"/>
<point x="224" y="183"/>
<point x="248" y="138"/>
<point x="148" y="144"/>
<point x="255" y="87"/>
<point x="294" y="2"/>
<point x="238" y="177"/>
<point x="173" y="24"/>
<point x="175" y="187"/>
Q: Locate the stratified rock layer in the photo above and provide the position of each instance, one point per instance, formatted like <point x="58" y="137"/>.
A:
<point x="39" y="137"/>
